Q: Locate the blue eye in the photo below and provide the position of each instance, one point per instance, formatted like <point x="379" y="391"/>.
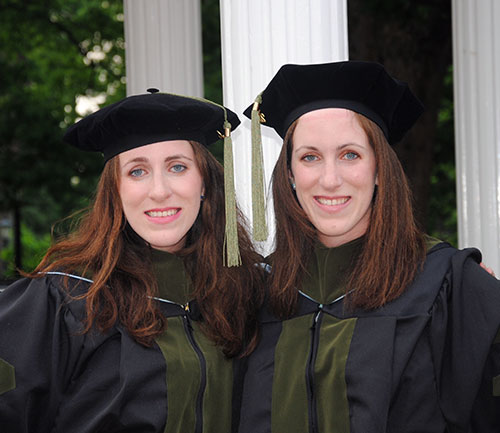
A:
<point x="178" y="168"/>
<point x="309" y="158"/>
<point x="351" y="156"/>
<point x="136" y="172"/>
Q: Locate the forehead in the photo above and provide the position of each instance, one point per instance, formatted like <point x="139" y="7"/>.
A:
<point x="159" y="150"/>
<point x="332" y="117"/>
<point x="329" y="124"/>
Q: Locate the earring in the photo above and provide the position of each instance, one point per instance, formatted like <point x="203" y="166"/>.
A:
<point x="202" y="197"/>
<point x="293" y="186"/>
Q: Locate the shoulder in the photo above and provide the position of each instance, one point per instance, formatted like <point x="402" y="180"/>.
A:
<point x="463" y="265"/>
<point x="450" y="267"/>
<point x="468" y="275"/>
<point x="431" y="279"/>
<point x="466" y="288"/>
<point x="51" y="291"/>
<point x="68" y="283"/>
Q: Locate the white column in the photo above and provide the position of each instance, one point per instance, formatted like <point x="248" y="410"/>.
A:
<point x="476" y="51"/>
<point x="258" y="36"/>
<point x="163" y="46"/>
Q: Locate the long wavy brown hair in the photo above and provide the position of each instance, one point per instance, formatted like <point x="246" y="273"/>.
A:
<point x="393" y="248"/>
<point x="106" y="247"/>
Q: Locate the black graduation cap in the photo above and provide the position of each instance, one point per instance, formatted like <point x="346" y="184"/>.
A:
<point x="363" y="87"/>
<point x="149" y="118"/>
<point x="153" y="117"/>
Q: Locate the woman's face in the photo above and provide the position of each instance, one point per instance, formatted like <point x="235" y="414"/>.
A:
<point x="160" y="188"/>
<point x="333" y="168"/>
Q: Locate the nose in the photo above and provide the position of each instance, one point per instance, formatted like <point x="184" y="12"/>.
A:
<point x="330" y="176"/>
<point x="160" y="188"/>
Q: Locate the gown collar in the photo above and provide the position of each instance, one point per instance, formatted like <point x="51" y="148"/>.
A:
<point x="328" y="270"/>
<point x="173" y="282"/>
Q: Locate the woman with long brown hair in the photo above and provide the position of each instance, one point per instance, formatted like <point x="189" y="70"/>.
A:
<point x="129" y="323"/>
<point x="371" y="326"/>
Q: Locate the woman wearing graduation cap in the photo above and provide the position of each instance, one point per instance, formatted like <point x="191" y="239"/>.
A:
<point x="372" y="326"/>
<point x="128" y="324"/>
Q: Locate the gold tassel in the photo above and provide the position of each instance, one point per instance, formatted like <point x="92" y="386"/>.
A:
<point x="231" y="248"/>
<point x="258" y="199"/>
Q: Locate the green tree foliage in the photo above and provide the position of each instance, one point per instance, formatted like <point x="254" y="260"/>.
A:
<point x="35" y="247"/>
<point x="442" y="217"/>
<point x="212" y="74"/>
<point x="212" y="64"/>
<point x="51" y="53"/>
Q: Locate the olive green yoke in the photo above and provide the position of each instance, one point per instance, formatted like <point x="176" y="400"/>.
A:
<point x="328" y="270"/>
<point x="195" y="367"/>
<point x="173" y="282"/>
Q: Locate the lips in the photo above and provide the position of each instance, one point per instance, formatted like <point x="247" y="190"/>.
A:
<point x="158" y="213"/>
<point x="331" y="201"/>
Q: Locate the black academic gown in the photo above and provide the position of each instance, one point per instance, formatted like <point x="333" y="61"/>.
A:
<point x="53" y="378"/>
<point x="428" y="362"/>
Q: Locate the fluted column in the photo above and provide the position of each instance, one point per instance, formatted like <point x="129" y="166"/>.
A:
<point x="476" y="51"/>
<point x="258" y="36"/>
<point x="163" y="46"/>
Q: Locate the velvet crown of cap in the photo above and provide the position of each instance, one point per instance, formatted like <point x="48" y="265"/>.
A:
<point x="149" y="118"/>
<point x="363" y="87"/>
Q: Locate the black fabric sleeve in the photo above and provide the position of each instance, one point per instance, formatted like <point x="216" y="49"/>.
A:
<point x="39" y="339"/>
<point x="69" y="382"/>
<point x="465" y="322"/>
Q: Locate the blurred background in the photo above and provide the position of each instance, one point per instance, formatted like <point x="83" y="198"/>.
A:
<point x="62" y="59"/>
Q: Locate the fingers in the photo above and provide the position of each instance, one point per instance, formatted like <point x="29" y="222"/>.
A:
<point x="489" y="270"/>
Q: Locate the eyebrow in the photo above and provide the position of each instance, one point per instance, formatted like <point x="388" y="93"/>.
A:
<point x="167" y="159"/>
<point x="302" y="148"/>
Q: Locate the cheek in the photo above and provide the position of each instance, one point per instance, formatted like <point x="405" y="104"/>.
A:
<point x="362" y="180"/>
<point x="130" y="193"/>
<point x="367" y="183"/>
<point x="124" y="192"/>
<point x="365" y="175"/>
<point x="191" y="189"/>
<point x="302" y="177"/>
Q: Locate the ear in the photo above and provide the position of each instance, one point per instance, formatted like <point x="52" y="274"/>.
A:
<point x="376" y="180"/>
<point x="290" y="176"/>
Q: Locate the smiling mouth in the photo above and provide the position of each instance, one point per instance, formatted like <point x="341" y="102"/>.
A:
<point x="162" y="214"/>
<point x="331" y="202"/>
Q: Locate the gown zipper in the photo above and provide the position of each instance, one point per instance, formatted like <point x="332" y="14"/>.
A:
<point x="188" y="329"/>
<point x="311" y="362"/>
<point x="203" y="367"/>
<point x="311" y="396"/>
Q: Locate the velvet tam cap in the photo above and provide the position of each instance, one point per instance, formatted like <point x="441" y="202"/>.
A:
<point x="149" y="118"/>
<point x="363" y="87"/>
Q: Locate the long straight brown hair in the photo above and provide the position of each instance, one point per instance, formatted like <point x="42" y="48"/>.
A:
<point x="393" y="247"/>
<point x="119" y="262"/>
